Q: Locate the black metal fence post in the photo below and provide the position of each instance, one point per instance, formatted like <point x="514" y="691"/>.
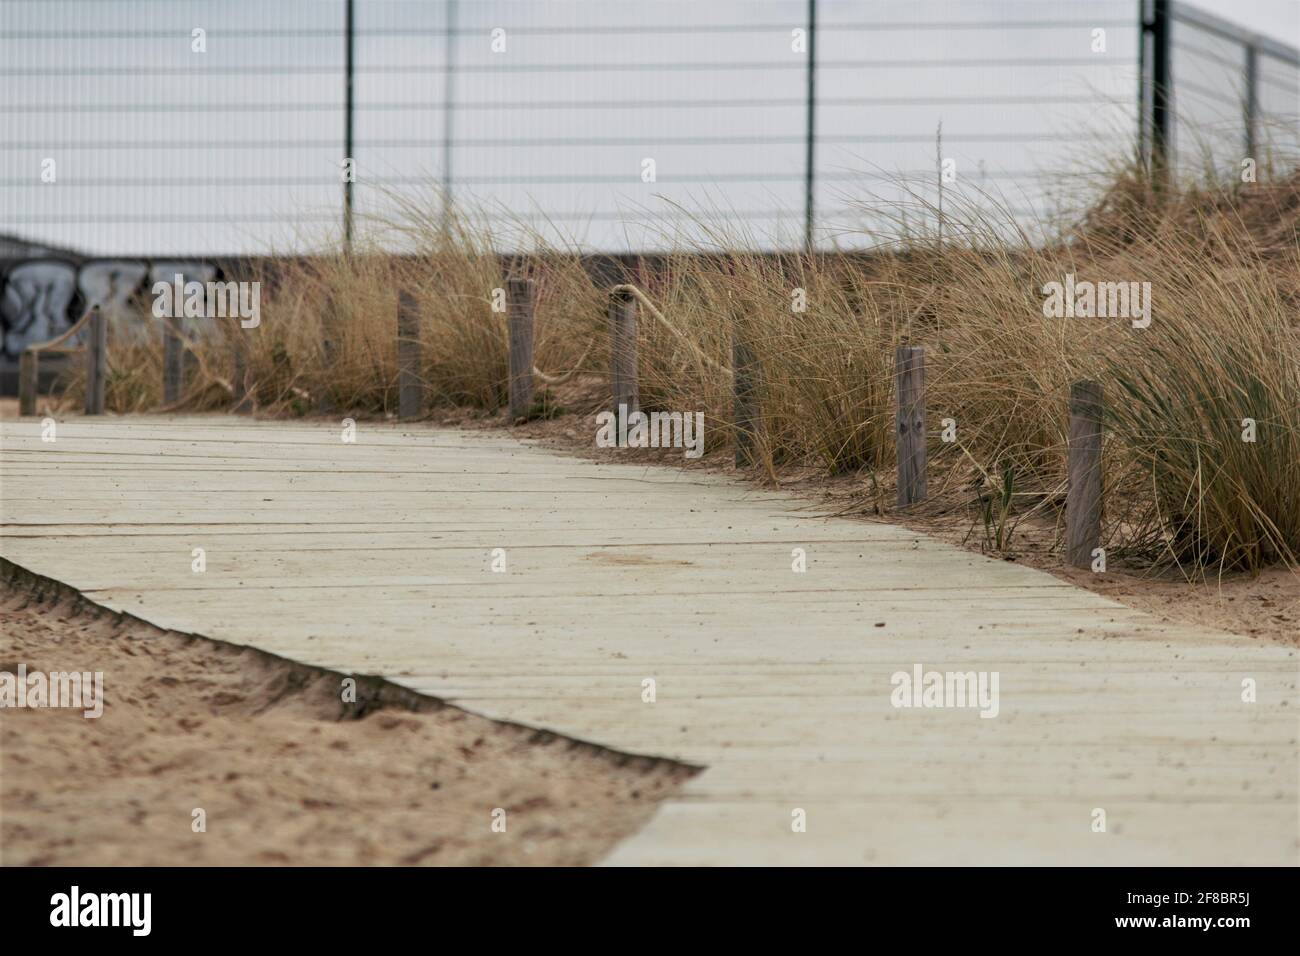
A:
<point x="348" y="110"/>
<point x="1251" y="104"/>
<point x="448" y="114"/>
<point x="810" y="133"/>
<point x="1154" y="90"/>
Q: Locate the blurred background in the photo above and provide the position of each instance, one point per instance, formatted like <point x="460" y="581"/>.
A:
<point x="198" y="127"/>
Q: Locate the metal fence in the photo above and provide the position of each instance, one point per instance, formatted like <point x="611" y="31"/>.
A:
<point x="1231" y="97"/>
<point x="146" y="127"/>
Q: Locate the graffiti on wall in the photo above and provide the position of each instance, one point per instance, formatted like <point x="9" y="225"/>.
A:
<point x="112" y="284"/>
<point x="35" y="303"/>
<point x="41" y="298"/>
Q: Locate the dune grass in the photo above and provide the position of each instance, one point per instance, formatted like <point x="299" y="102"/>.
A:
<point x="1222" y="350"/>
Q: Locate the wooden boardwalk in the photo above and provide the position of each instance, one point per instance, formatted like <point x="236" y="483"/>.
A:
<point x="376" y="557"/>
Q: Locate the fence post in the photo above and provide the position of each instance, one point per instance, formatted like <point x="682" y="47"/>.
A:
<point x="745" y="400"/>
<point x="349" y="113"/>
<point x="173" y="363"/>
<point x="520" y="297"/>
<point x="622" y="328"/>
<point x="329" y="350"/>
<point x="1083" y="469"/>
<point x="1250" y="103"/>
<point x="28" y="374"/>
<point x="96" y="362"/>
<point x="909" y="379"/>
<point x="243" y="398"/>
<point x="410" y="390"/>
<point x="189" y="366"/>
<point x="810" y="133"/>
<point x="1154" y="100"/>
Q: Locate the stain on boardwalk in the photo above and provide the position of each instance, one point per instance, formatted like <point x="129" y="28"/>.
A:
<point x="377" y="557"/>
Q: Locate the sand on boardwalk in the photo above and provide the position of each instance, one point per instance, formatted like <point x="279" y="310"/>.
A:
<point x="284" y="773"/>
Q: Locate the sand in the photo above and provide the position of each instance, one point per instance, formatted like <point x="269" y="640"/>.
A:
<point x="284" y="772"/>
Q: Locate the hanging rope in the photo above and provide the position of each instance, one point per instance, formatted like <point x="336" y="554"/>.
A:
<point x="53" y="344"/>
<point x="663" y="320"/>
<point x="561" y="379"/>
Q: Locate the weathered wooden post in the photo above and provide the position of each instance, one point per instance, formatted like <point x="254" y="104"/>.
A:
<point x="909" y="379"/>
<point x="28" y="373"/>
<point x="243" y="396"/>
<point x="96" y="362"/>
<point x="173" y="363"/>
<point x="189" y="365"/>
<point x="329" y="324"/>
<point x="329" y="350"/>
<point x="622" y="329"/>
<point x="1083" y="470"/>
<point x="520" y="300"/>
<point x="410" y="390"/>
<point x="745" y="408"/>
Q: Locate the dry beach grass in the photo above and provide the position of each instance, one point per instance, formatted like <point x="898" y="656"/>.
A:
<point x="1183" y="488"/>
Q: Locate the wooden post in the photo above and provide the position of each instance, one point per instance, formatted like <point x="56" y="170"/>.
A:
<point x="189" y="366"/>
<point x="1083" y="469"/>
<point x="520" y="295"/>
<point x="28" y="373"/>
<point x="173" y="363"/>
<point x="243" y="397"/>
<point x="329" y="328"/>
<point x="329" y="349"/>
<point x="410" y="391"/>
<point x="622" y="365"/>
<point x="96" y="362"/>
<point x="745" y="400"/>
<point x="909" y="378"/>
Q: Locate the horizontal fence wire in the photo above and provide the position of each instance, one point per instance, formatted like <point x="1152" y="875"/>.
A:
<point x="608" y="127"/>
